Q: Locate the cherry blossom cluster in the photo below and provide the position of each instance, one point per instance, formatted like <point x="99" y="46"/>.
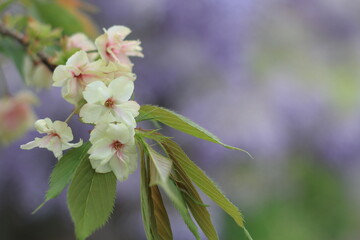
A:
<point x="100" y="85"/>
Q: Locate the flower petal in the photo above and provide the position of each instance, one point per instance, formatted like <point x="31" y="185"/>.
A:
<point x="92" y="113"/>
<point x="120" y="168"/>
<point x="96" y="92"/>
<point x="78" y="59"/>
<point x="120" y="132"/>
<point x="100" y="168"/>
<point x="98" y="132"/>
<point x="30" y="145"/>
<point x="64" y="131"/>
<point x="44" y="125"/>
<point x="124" y="117"/>
<point x="100" y="43"/>
<point x="61" y="75"/>
<point x="121" y="88"/>
<point x="67" y="145"/>
<point x="131" y="107"/>
<point x="101" y="150"/>
<point x="119" y="32"/>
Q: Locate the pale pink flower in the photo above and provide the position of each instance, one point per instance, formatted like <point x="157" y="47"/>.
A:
<point x="113" y="149"/>
<point x="58" y="136"/>
<point x="16" y="116"/>
<point x="112" y="46"/>
<point x="82" y="42"/>
<point x="76" y="74"/>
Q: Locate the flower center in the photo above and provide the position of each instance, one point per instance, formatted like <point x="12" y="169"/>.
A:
<point x="109" y="103"/>
<point x="117" y="145"/>
<point x="54" y="134"/>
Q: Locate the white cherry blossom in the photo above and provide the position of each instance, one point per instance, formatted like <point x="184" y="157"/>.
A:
<point x="58" y="136"/>
<point x="113" y="149"/>
<point x="76" y="74"/>
<point x="112" y="46"/>
<point x="110" y="103"/>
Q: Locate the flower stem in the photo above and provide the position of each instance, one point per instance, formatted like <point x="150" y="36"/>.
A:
<point x="21" y="38"/>
<point x="92" y="51"/>
<point x="71" y="115"/>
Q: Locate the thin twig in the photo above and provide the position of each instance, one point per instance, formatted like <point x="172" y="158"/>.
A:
<point x="21" y="38"/>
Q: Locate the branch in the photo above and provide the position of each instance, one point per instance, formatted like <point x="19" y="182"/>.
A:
<point x="21" y="38"/>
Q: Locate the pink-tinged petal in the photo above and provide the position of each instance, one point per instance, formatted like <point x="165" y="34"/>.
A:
<point x="132" y="48"/>
<point x="57" y="149"/>
<point x="97" y="92"/>
<point x="101" y="44"/>
<point x="123" y="59"/>
<point x="81" y="41"/>
<point x="122" y="88"/>
<point x="92" y="113"/>
<point x="72" y="91"/>
<point x="78" y="59"/>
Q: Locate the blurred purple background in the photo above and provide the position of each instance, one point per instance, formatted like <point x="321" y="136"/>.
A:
<point x="278" y="78"/>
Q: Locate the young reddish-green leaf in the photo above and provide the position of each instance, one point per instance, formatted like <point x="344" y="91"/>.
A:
<point x="203" y="181"/>
<point x="160" y="168"/>
<point x="162" y="220"/>
<point x="91" y="199"/>
<point x="194" y="202"/>
<point x="147" y="210"/>
<point x="64" y="171"/>
<point x="181" y="123"/>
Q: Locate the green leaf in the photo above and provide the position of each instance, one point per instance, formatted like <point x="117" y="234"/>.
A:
<point x="181" y="123"/>
<point x="154" y="135"/>
<point x="160" y="168"/>
<point x="64" y="171"/>
<point x="14" y="51"/>
<point x="91" y="199"/>
<point x="202" y="181"/>
<point x="56" y="15"/>
<point x="193" y="200"/>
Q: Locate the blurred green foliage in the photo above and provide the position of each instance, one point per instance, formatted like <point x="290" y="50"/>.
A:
<point x="316" y="207"/>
